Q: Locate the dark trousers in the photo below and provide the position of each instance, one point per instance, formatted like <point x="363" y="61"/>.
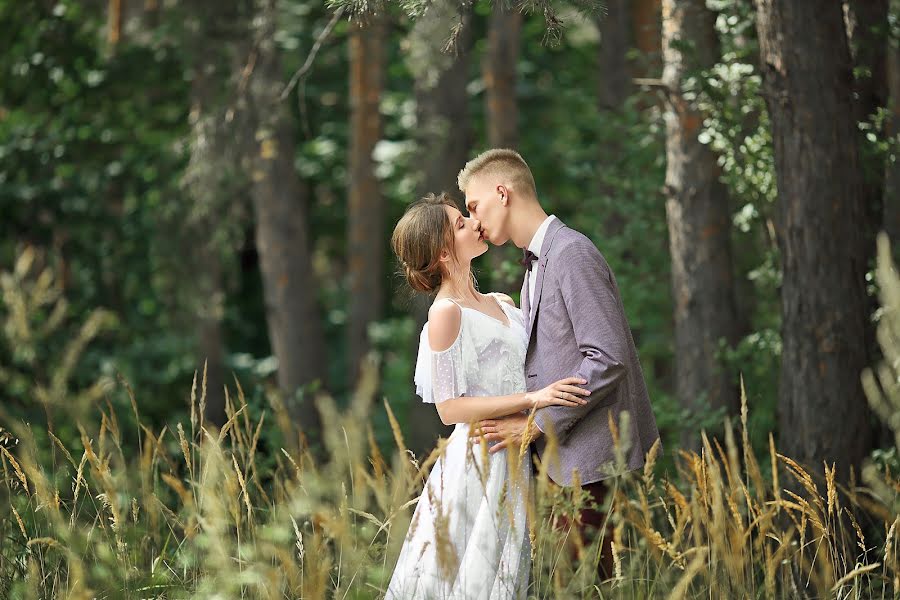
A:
<point x="588" y="525"/>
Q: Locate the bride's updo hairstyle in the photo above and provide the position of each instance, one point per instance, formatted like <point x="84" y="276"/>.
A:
<point x="421" y="234"/>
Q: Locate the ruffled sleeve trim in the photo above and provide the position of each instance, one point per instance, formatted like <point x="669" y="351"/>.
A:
<point x="440" y="375"/>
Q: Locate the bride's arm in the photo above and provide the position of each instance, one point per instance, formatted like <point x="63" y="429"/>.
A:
<point x="467" y="409"/>
<point x="444" y="323"/>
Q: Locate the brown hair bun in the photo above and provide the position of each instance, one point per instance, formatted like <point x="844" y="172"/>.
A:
<point x="419" y="237"/>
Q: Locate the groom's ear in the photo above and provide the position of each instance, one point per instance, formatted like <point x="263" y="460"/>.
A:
<point x="503" y="193"/>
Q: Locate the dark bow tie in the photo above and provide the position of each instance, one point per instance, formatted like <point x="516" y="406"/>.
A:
<point x="528" y="259"/>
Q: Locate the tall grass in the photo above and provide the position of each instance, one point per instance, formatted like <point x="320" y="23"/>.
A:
<point x="212" y="513"/>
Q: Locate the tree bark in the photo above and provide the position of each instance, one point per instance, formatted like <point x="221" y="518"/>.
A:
<point x="442" y="111"/>
<point x="282" y="238"/>
<point x="444" y="139"/>
<point x="211" y="348"/>
<point x="135" y="21"/>
<point x="615" y="40"/>
<point x="867" y="24"/>
<point x="502" y="109"/>
<point x="697" y="210"/>
<point x="365" y="235"/>
<point x="502" y="114"/>
<point x="114" y="25"/>
<point x="891" y="215"/>
<point x="213" y="26"/>
<point x="808" y="79"/>
<point x="867" y="30"/>
<point x="614" y="87"/>
<point x="647" y="27"/>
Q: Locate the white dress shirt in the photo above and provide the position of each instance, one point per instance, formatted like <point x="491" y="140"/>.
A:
<point x="535" y="247"/>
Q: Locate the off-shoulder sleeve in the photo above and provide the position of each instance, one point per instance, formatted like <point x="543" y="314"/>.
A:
<point x="440" y="375"/>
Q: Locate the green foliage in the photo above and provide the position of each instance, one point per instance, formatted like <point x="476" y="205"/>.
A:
<point x="89" y="165"/>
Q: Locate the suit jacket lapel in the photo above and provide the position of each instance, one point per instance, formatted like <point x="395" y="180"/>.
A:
<point x="538" y="270"/>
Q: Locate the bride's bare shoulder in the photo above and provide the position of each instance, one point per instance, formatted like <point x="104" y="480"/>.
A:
<point x="505" y="298"/>
<point x="444" y="318"/>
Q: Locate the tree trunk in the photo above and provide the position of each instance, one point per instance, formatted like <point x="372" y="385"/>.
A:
<point x="614" y="87"/>
<point x="647" y="26"/>
<point x="615" y="40"/>
<point x="282" y="240"/>
<point x="211" y="348"/>
<point x="135" y="21"/>
<point x="502" y="114"/>
<point x="444" y="139"/>
<point x="211" y="159"/>
<point x="365" y="235"/>
<point x="891" y="216"/>
<point x="697" y="210"/>
<point x="114" y="22"/>
<point x="442" y="112"/>
<point x="808" y="78"/>
<point x="867" y="30"/>
<point x="867" y="24"/>
<point x="502" y="110"/>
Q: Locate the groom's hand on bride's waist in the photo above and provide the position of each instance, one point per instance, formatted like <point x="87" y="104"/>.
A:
<point x="513" y="430"/>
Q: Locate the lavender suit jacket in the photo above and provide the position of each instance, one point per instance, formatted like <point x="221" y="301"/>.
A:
<point x="578" y="328"/>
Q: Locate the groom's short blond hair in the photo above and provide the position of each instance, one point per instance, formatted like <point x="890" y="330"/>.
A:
<point x="503" y="163"/>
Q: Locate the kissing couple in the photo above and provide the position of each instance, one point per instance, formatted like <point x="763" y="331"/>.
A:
<point x="561" y="366"/>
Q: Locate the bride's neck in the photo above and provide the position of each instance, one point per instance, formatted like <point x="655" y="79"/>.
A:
<point x="460" y="284"/>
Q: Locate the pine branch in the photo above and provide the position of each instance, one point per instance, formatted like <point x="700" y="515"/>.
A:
<point x="416" y="9"/>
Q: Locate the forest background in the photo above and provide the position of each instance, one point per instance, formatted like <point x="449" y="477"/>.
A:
<point x="210" y="187"/>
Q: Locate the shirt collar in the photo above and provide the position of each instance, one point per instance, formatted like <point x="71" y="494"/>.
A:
<point x="538" y="240"/>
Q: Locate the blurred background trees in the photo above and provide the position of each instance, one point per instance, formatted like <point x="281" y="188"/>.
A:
<point x="221" y="179"/>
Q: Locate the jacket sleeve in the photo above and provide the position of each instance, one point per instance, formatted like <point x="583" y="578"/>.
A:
<point x="601" y="333"/>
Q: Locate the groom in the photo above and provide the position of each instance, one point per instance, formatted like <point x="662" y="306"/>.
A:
<point x="576" y="327"/>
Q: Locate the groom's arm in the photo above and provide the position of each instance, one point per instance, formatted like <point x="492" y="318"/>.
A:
<point x="600" y="331"/>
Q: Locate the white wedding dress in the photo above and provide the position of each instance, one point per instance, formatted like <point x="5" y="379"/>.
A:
<point x="468" y="538"/>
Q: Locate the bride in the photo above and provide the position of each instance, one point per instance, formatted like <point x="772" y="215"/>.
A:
<point x="468" y="538"/>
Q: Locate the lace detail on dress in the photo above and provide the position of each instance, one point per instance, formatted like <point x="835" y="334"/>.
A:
<point x="512" y="356"/>
<point x="486" y="359"/>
